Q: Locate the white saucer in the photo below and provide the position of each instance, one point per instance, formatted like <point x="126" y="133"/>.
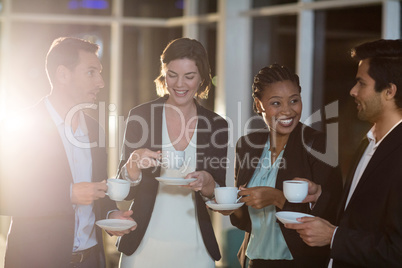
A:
<point x="290" y="217"/>
<point x="115" y="224"/>
<point x="175" y="181"/>
<point x="215" y="206"/>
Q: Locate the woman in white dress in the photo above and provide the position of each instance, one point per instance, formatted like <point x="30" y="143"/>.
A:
<point x="174" y="228"/>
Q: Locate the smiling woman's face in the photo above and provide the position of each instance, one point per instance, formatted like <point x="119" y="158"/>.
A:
<point x="182" y="81"/>
<point x="280" y="106"/>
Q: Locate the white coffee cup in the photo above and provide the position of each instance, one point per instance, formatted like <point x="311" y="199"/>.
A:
<point x="295" y="191"/>
<point x="226" y="195"/>
<point x="117" y="189"/>
<point x="171" y="159"/>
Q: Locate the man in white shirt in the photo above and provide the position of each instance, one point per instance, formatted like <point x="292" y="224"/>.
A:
<point x="368" y="231"/>
<point x="53" y="183"/>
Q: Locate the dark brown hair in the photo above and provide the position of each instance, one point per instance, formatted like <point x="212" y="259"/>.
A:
<point x="385" y="64"/>
<point x="65" y="51"/>
<point x="185" y="48"/>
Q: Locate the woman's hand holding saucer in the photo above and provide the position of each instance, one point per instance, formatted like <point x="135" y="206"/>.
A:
<point x="122" y="215"/>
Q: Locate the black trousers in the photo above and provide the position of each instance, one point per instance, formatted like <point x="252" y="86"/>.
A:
<point x="92" y="261"/>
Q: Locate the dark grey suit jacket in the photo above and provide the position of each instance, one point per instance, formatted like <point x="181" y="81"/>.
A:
<point x="370" y="229"/>
<point x="35" y="191"/>
<point x="298" y="163"/>
<point x="144" y="130"/>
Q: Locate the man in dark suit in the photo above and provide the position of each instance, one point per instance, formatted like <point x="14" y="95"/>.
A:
<point x="368" y="232"/>
<point x="53" y="173"/>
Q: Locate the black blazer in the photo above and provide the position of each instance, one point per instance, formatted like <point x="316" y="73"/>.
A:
<point x="298" y="163"/>
<point x="369" y="231"/>
<point x="144" y="130"/>
<point x="35" y="191"/>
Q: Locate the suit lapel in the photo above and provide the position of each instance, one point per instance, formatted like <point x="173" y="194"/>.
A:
<point x="52" y="138"/>
<point x="349" y="178"/>
<point x="155" y="140"/>
<point x="390" y="143"/>
<point x="157" y="143"/>
<point x="156" y="122"/>
<point x="202" y="137"/>
<point x="260" y="140"/>
<point x="283" y="173"/>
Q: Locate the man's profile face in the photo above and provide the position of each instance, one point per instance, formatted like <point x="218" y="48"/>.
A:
<point x="369" y="101"/>
<point x="85" y="79"/>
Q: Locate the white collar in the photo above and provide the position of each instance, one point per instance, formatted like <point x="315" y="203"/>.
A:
<point x="59" y="121"/>
<point x="370" y="134"/>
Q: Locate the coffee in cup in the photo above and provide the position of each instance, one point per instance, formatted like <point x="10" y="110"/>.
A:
<point x="295" y="191"/>
<point x="117" y="189"/>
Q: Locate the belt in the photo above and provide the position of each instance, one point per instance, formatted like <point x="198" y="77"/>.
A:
<point x="82" y="255"/>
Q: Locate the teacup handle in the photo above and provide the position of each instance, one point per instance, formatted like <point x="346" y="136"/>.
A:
<point x="107" y="184"/>
<point x="238" y="199"/>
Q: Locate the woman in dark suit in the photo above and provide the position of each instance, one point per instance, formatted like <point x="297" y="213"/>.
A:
<point x="174" y="227"/>
<point x="264" y="159"/>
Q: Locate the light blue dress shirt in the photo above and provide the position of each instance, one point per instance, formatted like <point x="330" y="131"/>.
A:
<point x="80" y="162"/>
<point x="266" y="239"/>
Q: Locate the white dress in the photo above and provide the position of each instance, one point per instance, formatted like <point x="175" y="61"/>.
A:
<point x="173" y="237"/>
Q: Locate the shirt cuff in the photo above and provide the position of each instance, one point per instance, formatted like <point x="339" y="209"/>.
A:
<point x="333" y="235"/>
<point x="126" y="176"/>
